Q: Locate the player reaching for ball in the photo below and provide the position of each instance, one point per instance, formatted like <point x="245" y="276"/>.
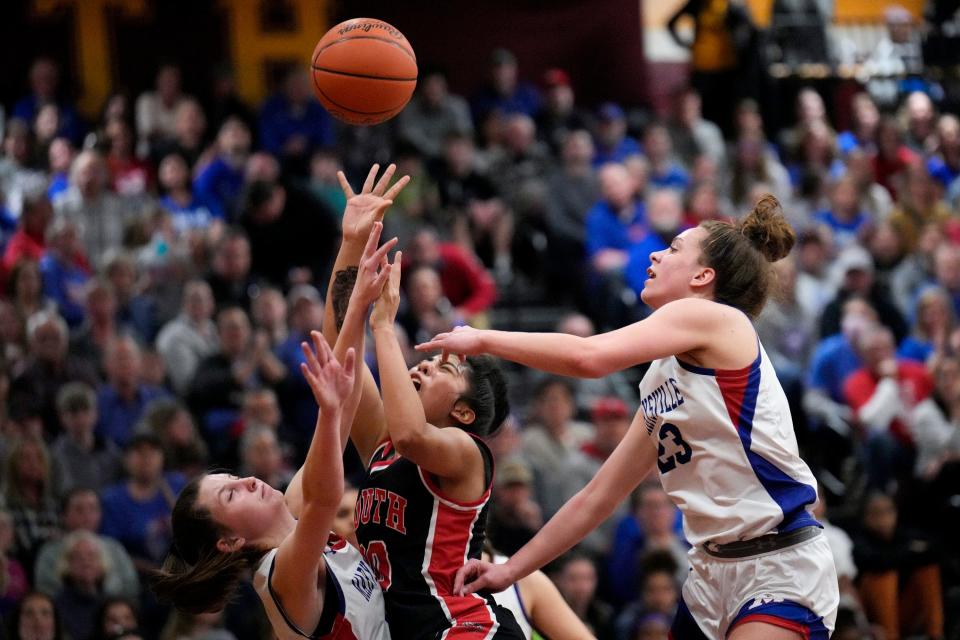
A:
<point x="312" y="583"/>
<point x="422" y="508"/>
<point x="714" y="420"/>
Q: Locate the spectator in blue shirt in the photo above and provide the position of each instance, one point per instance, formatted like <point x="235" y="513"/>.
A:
<point x="866" y="124"/>
<point x="665" y="171"/>
<point x="845" y="219"/>
<point x="64" y="279"/>
<point x="220" y="182"/>
<point x="612" y="142"/>
<point x="933" y="322"/>
<point x="137" y="512"/>
<point x="44" y="81"/>
<point x="505" y="93"/>
<point x="665" y="221"/>
<point x="60" y="155"/>
<point x="944" y="166"/>
<point x="616" y="222"/>
<point x="188" y="212"/>
<point x="293" y="124"/>
<point x="123" y="399"/>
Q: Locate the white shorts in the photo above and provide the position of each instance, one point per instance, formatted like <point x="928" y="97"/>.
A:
<point x="795" y="588"/>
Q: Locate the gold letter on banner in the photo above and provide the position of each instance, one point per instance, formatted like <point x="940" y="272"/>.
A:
<point x="92" y="42"/>
<point x="251" y="47"/>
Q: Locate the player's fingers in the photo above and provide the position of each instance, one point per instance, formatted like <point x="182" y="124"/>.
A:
<point x="384" y="180"/>
<point x="349" y="360"/>
<point x="396" y="188"/>
<point x="395" y="272"/>
<point x="311" y="357"/>
<point x="382" y="209"/>
<point x="371" y="177"/>
<point x="380" y="256"/>
<point x="373" y="239"/>
<point x="311" y="379"/>
<point x="433" y="344"/>
<point x="462" y="574"/>
<point x="324" y="353"/>
<point x="345" y="185"/>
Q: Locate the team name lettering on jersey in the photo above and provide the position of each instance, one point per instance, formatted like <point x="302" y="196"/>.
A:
<point x="663" y="399"/>
<point x="374" y="501"/>
<point x="365" y="581"/>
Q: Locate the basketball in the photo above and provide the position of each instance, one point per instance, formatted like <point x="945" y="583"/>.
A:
<point x="364" y="71"/>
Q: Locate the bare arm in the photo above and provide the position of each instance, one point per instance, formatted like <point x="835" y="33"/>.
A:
<point x="362" y="212"/>
<point x="626" y="467"/>
<point x="680" y="327"/>
<point x="448" y="453"/>
<point x="299" y="561"/>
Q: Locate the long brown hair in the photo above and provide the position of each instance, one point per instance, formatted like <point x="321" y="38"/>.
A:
<point x="196" y="576"/>
<point x="741" y="254"/>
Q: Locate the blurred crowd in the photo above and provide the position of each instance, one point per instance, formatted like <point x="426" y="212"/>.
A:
<point x="161" y="265"/>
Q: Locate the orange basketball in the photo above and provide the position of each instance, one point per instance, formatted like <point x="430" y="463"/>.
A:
<point x="364" y="71"/>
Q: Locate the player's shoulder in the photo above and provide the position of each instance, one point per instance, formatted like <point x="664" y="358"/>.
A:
<point x="701" y="313"/>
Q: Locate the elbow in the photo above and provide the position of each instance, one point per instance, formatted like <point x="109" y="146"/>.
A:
<point x="407" y="442"/>
<point x="587" y="363"/>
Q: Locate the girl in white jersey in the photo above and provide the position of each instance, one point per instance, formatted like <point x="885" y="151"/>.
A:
<point x="714" y="421"/>
<point x="312" y="583"/>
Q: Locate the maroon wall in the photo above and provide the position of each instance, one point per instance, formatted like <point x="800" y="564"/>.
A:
<point x="599" y="42"/>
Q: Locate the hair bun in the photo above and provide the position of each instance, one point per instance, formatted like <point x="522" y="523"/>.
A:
<point x="768" y="230"/>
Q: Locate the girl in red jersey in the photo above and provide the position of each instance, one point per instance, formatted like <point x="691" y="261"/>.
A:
<point x="422" y="509"/>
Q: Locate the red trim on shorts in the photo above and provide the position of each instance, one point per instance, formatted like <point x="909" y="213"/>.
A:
<point x="783" y="623"/>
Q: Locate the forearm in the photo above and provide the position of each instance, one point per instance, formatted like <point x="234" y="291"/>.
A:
<point x="322" y="481"/>
<point x="557" y="353"/>
<point x="342" y="279"/>
<point x="402" y="407"/>
<point x="351" y="336"/>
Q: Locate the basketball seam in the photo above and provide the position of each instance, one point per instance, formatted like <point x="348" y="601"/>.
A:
<point x="362" y="75"/>
<point x="348" y="109"/>
<point x="338" y="40"/>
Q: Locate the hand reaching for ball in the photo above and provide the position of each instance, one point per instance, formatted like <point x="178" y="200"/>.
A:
<point x="368" y="206"/>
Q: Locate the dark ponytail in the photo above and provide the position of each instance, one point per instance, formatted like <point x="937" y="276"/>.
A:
<point x="486" y="395"/>
<point x="196" y="576"/>
<point x="741" y="254"/>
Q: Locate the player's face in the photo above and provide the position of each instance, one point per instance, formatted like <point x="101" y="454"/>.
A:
<point x="672" y="270"/>
<point x="440" y="385"/>
<point x="245" y="507"/>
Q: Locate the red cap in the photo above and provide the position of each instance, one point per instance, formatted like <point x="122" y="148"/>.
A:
<point x="556" y="78"/>
<point x="609" y="407"/>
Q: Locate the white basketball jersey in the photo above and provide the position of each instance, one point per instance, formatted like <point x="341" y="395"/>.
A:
<point x="726" y="449"/>
<point x="511" y="599"/>
<point x="353" y="602"/>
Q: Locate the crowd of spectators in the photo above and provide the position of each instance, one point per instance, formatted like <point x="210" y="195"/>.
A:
<point x="161" y="264"/>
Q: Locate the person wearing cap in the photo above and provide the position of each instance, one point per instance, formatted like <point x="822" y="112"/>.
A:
<point x="560" y="114"/>
<point x="611" y="420"/>
<point x="613" y="143"/>
<point x="432" y="115"/>
<point x="855" y="274"/>
<point x="514" y="516"/>
<point x="137" y="511"/>
<point x="504" y="92"/>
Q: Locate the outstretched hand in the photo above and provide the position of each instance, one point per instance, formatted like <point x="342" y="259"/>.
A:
<point x="462" y="340"/>
<point x="480" y="574"/>
<point x="368" y="206"/>
<point x="330" y="381"/>
<point x="375" y="268"/>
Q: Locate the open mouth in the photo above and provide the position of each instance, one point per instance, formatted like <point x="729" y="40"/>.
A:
<point x="651" y="274"/>
<point x="417" y="382"/>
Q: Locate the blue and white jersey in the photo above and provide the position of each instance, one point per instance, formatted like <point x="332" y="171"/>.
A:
<point x="726" y="450"/>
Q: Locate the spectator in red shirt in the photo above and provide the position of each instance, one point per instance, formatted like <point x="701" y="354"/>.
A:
<point x="28" y="240"/>
<point x="882" y="394"/>
<point x="465" y="282"/>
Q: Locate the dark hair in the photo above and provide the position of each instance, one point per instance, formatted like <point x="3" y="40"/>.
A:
<point x="99" y="632"/>
<point x="548" y="382"/>
<point x="196" y="576"/>
<point x="486" y="395"/>
<point x="13" y="621"/>
<point x="73" y="493"/>
<point x="740" y="254"/>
